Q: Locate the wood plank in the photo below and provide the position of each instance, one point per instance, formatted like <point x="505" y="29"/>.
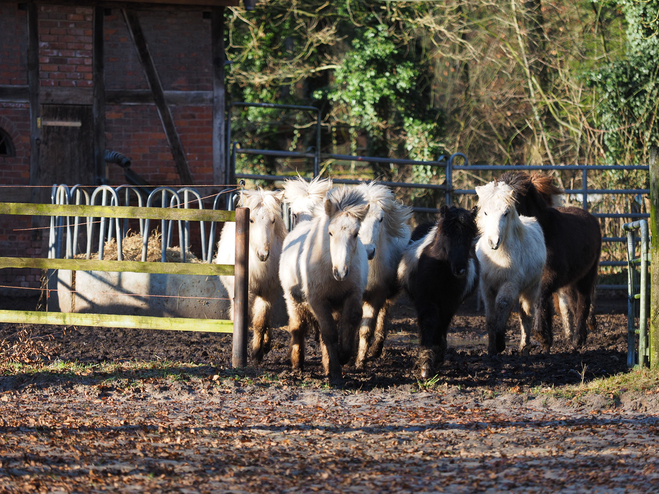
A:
<point x="149" y="67"/>
<point x="195" y="5"/>
<point x="116" y="321"/>
<point x="193" y="269"/>
<point x="33" y="85"/>
<point x="98" y="80"/>
<point x="220" y="175"/>
<point x="28" y="209"/>
<point x="654" y="257"/>
<point x="85" y="96"/>
<point x="145" y="97"/>
<point x="14" y="94"/>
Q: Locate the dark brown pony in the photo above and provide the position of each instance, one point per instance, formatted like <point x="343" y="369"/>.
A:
<point x="574" y="241"/>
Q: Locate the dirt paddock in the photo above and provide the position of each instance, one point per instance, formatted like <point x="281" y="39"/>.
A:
<point x="482" y="425"/>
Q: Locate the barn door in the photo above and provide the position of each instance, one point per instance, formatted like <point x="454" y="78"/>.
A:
<point x="66" y="153"/>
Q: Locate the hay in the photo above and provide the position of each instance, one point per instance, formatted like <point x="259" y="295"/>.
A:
<point x="131" y="248"/>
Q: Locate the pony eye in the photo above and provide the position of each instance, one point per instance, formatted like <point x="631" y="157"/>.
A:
<point x="506" y="213"/>
<point x="251" y="220"/>
<point x="381" y="219"/>
<point x="273" y="221"/>
<point x="330" y="234"/>
<point x="485" y="213"/>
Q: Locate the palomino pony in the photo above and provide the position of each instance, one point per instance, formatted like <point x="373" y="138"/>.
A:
<point x="304" y="197"/>
<point x="266" y="236"/>
<point x="324" y="271"/>
<point x="574" y="241"/>
<point x="512" y="255"/>
<point x="438" y="272"/>
<point x="385" y="234"/>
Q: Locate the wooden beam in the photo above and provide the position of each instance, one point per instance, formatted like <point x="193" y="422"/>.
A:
<point x="220" y="175"/>
<point x="149" y="67"/>
<point x="132" y="212"/>
<point x="654" y="257"/>
<point x="145" y="97"/>
<point x="116" y="321"/>
<point x="98" y="79"/>
<point x="14" y="94"/>
<point x="33" y="85"/>
<point x="187" y="268"/>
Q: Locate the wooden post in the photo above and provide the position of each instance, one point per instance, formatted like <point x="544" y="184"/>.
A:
<point x="33" y="84"/>
<point x="98" y="107"/>
<point x="149" y="67"/>
<point x="220" y="174"/>
<point x="654" y="255"/>
<point x="241" y="297"/>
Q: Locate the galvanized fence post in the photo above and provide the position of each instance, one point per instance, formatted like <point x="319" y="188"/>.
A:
<point x="241" y="298"/>
<point x="654" y="252"/>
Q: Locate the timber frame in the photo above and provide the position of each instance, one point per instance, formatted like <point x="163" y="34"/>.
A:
<point x="99" y="97"/>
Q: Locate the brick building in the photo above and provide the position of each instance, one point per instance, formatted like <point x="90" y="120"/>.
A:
<point x="145" y="79"/>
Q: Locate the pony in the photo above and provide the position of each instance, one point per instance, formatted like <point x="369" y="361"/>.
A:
<point x="512" y="254"/>
<point x="438" y="272"/>
<point x="323" y="272"/>
<point x="573" y="239"/>
<point x="385" y="234"/>
<point x="266" y="237"/>
<point x="304" y="197"/>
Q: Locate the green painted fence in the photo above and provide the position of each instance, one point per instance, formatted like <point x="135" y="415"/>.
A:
<point x="240" y="270"/>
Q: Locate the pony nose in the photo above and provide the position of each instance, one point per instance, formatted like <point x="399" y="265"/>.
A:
<point x="370" y="252"/>
<point x="494" y="245"/>
<point x="340" y="275"/>
<point x="263" y="255"/>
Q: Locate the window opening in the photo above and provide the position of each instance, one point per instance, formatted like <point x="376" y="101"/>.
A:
<point x="6" y="144"/>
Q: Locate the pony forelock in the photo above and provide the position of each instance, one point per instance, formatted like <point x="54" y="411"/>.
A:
<point x="495" y="192"/>
<point x="348" y="200"/>
<point x="260" y="198"/>
<point x="306" y="194"/>
<point x="396" y="215"/>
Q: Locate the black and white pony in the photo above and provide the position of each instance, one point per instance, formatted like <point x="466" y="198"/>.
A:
<point x="438" y="272"/>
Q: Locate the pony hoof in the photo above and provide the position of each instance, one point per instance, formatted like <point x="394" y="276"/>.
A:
<point x="257" y="356"/>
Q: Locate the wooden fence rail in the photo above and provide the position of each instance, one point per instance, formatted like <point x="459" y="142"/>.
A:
<point x="240" y="271"/>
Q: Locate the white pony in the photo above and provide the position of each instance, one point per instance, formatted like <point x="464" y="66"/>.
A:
<point x="266" y="236"/>
<point x="512" y="254"/>
<point x="304" y="197"/>
<point x="385" y="235"/>
<point x="323" y="272"/>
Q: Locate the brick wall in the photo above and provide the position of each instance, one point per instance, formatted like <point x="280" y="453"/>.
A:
<point x="180" y="45"/>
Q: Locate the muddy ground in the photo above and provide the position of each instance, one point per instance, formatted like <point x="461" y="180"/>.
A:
<point x="483" y="425"/>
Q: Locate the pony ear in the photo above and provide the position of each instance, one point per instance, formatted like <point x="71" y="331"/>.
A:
<point x="330" y="208"/>
<point x="474" y="211"/>
<point x="279" y="195"/>
<point x="443" y="210"/>
<point x="362" y="214"/>
<point x="479" y="189"/>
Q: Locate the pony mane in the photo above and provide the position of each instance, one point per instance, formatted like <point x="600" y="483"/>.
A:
<point x="311" y="193"/>
<point x="453" y="219"/>
<point x="396" y="215"/>
<point x="530" y="185"/>
<point x="270" y="200"/>
<point x="348" y="200"/>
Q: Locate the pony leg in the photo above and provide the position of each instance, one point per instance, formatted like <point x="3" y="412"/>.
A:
<point x="497" y="311"/>
<point x="584" y="288"/>
<point x="526" y="324"/>
<point x="567" y="297"/>
<point x="543" y="320"/>
<point x="297" y="328"/>
<point x="381" y="330"/>
<point x="261" y="328"/>
<point x="351" y="316"/>
<point x="428" y="320"/>
<point x="329" y="339"/>
<point x="370" y="312"/>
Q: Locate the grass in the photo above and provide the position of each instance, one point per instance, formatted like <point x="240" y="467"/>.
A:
<point x="644" y="381"/>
